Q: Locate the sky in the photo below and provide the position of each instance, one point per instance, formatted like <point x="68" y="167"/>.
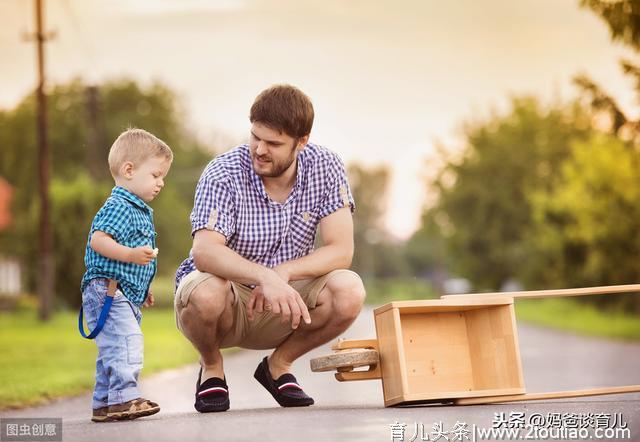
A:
<point x="389" y="80"/>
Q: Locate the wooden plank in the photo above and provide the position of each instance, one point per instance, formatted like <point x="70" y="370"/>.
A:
<point x="602" y="290"/>
<point x="402" y="357"/>
<point x="550" y="395"/>
<point x="493" y="348"/>
<point x="344" y="344"/>
<point x="520" y="381"/>
<point x="437" y="353"/>
<point x="373" y="373"/>
<point x="465" y="302"/>
<point x="450" y="396"/>
<point x="390" y="352"/>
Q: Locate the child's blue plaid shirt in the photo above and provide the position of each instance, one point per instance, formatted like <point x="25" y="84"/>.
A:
<point x="129" y="220"/>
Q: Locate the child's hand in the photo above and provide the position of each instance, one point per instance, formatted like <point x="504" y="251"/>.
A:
<point x="149" y="301"/>
<point x="142" y="255"/>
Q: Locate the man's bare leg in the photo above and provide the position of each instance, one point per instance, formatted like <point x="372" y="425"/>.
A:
<point x="206" y="319"/>
<point x="338" y="305"/>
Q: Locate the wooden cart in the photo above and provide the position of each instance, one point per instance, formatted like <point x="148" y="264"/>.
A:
<point x="460" y="349"/>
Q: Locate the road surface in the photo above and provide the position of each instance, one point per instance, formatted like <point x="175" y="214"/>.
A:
<point x="354" y="411"/>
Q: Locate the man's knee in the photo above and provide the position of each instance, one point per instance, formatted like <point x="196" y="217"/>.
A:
<point x="347" y="295"/>
<point x="208" y="301"/>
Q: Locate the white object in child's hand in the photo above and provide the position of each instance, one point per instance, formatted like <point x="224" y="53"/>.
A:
<point x="155" y="252"/>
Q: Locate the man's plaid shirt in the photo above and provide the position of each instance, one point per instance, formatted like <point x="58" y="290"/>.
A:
<point x="129" y="220"/>
<point x="231" y="199"/>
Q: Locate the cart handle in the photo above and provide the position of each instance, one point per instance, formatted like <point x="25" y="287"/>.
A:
<point x="603" y="290"/>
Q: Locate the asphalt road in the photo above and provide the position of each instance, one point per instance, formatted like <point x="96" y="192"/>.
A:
<point x="354" y="411"/>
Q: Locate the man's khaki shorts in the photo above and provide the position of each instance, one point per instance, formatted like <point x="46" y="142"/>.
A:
<point x="266" y="330"/>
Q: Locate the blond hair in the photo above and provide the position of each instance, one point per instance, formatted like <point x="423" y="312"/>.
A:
<point x="136" y="146"/>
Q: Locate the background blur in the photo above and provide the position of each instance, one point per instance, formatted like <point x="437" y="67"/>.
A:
<point x="491" y="145"/>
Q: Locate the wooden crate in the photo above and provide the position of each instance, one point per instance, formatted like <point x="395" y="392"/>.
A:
<point x="435" y="350"/>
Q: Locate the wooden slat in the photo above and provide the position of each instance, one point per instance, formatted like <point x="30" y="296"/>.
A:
<point x="550" y="395"/>
<point x="344" y="344"/>
<point x="373" y="373"/>
<point x="493" y="348"/>
<point x="449" y="396"/>
<point x="465" y="302"/>
<point x="391" y="354"/>
<point x="437" y="353"/>
<point x="603" y="290"/>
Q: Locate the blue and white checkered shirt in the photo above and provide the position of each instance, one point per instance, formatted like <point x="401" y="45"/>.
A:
<point x="129" y="220"/>
<point x="231" y="199"/>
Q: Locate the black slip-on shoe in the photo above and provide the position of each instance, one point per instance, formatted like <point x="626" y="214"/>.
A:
<point x="212" y="395"/>
<point x="285" y="390"/>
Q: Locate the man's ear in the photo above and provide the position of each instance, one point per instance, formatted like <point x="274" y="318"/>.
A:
<point x="302" y="142"/>
<point x="126" y="170"/>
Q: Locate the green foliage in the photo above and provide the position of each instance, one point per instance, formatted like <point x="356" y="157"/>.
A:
<point x="80" y="138"/>
<point x="483" y="211"/>
<point x="74" y="204"/>
<point x="375" y="253"/>
<point x="588" y="225"/>
<point x="542" y="198"/>
<point x="579" y="317"/>
<point x="622" y="17"/>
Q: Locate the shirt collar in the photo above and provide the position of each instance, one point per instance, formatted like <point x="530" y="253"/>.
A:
<point x="132" y="198"/>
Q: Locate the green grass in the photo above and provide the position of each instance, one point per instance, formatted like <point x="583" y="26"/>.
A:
<point x="570" y="315"/>
<point x="39" y="361"/>
<point x="560" y="313"/>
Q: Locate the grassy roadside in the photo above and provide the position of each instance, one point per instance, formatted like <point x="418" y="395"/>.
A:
<point x="560" y="313"/>
<point x="570" y="315"/>
<point x="43" y="361"/>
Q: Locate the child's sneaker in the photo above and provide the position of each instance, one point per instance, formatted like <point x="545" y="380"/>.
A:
<point x="132" y="410"/>
<point x="100" y="414"/>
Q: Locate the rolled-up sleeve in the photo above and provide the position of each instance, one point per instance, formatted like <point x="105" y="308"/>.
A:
<point x="213" y="207"/>
<point x="113" y="219"/>
<point x="338" y="192"/>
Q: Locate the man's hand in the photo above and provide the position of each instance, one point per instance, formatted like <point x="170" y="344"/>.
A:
<point x="142" y="255"/>
<point x="275" y="294"/>
<point x="149" y="301"/>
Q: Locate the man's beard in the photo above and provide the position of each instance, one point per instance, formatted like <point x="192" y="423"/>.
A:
<point x="277" y="168"/>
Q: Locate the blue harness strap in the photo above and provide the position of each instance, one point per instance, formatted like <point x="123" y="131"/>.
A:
<point x="111" y="290"/>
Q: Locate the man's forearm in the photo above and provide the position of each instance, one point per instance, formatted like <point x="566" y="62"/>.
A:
<point x="320" y="262"/>
<point x="221" y="261"/>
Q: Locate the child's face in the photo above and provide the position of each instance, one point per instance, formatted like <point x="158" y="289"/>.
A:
<point x="147" y="179"/>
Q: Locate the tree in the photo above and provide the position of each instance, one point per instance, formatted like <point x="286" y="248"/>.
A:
<point x="375" y="255"/>
<point x="623" y="19"/>
<point x="76" y="195"/>
<point x="483" y="210"/>
<point x="587" y="228"/>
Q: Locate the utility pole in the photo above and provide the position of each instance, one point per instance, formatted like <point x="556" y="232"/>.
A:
<point x="94" y="157"/>
<point x="46" y="279"/>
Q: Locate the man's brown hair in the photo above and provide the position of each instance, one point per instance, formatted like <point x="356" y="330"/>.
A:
<point x="284" y="108"/>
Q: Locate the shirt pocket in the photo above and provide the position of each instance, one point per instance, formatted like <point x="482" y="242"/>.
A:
<point x="303" y="231"/>
<point x="142" y="235"/>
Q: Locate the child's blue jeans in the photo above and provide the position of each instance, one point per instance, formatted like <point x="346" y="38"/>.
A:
<point x="120" y="345"/>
